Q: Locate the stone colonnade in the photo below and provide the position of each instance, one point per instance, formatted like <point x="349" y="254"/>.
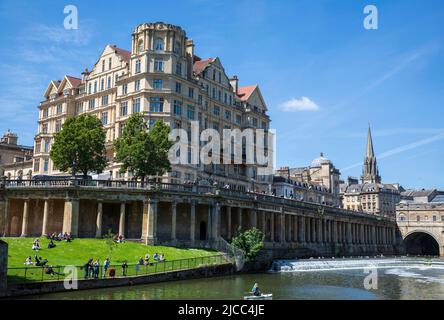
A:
<point x="172" y="221"/>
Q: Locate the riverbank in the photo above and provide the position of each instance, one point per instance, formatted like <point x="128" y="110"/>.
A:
<point x="46" y="287"/>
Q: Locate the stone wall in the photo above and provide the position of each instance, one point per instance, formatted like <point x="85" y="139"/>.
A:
<point x="3" y="266"/>
<point x="33" y="288"/>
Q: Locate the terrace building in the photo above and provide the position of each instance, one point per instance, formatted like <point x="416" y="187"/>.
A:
<point x="164" y="79"/>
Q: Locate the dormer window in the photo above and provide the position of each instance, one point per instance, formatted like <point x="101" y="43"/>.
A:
<point x="158" y="44"/>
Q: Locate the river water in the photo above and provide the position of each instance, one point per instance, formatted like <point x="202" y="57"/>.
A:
<point x="344" y="279"/>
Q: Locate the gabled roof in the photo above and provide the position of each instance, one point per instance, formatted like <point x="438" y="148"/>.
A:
<point x="244" y="93"/>
<point x="125" y="54"/>
<point x="200" y="65"/>
<point x="75" y="82"/>
<point x="54" y="84"/>
<point x="72" y="82"/>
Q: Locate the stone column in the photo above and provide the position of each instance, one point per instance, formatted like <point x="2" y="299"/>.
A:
<point x="282" y="227"/>
<point x="334" y="231"/>
<point x="264" y="223"/>
<point x="308" y="233"/>
<point x="295" y="229"/>
<point x="71" y="217"/>
<point x="290" y="228"/>
<point x="349" y="233"/>
<point x="319" y="230"/>
<point x="272" y="227"/>
<point x="99" y="219"/>
<point x="25" y="218"/>
<point x="253" y="218"/>
<point x="228" y="222"/>
<point x="5" y="212"/>
<point x="216" y="220"/>
<point x="122" y="219"/>
<point x="45" y="218"/>
<point x="301" y="232"/>
<point x="193" y="222"/>
<point x="149" y="223"/>
<point x="393" y="236"/>
<point x="173" y="220"/>
<point x="239" y="216"/>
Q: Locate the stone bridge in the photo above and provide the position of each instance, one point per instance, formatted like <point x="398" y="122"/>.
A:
<point x="422" y="228"/>
<point x="187" y="215"/>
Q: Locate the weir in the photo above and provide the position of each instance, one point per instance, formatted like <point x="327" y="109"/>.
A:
<point x="354" y="263"/>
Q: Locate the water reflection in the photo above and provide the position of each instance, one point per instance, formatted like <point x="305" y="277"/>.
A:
<point x="400" y="282"/>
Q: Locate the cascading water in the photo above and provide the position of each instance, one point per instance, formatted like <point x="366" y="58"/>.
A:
<point x="353" y="263"/>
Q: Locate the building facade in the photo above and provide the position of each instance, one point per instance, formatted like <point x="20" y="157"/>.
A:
<point x="162" y="78"/>
<point x="15" y="159"/>
<point x="370" y="196"/>
<point x="318" y="183"/>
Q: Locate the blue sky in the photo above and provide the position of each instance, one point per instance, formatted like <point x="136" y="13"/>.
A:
<point x="311" y="53"/>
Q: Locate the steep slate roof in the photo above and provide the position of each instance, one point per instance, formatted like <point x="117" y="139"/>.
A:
<point x="244" y="93"/>
<point x="125" y="54"/>
<point x="200" y="65"/>
<point x="75" y="82"/>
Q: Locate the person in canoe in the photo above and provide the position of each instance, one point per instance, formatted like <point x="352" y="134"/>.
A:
<point x="255" y="291"/>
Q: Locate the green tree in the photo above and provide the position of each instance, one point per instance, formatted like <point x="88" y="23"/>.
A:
<point x="110" y="242"/>
<point x="143" y="151"/>
<point x="250" y="242"/>
<point x="80" y="146"/>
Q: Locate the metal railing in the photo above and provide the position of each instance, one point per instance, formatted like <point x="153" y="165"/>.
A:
<point x="56" y="273"/>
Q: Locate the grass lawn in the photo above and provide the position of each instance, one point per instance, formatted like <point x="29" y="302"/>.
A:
<point x="79" y="251"/>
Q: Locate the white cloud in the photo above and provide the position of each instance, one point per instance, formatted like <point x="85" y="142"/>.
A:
<point x="302" y="104"/>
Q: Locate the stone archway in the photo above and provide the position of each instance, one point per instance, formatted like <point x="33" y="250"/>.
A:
<point x="421" y="243"/>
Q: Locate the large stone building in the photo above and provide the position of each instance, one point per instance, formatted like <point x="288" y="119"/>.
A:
<point x="164" y="79"/>
<point x="371" y="195"/>
<point x="420" y="218"/>
<point x="318" y="183"/>
<point x="15" y="159"/>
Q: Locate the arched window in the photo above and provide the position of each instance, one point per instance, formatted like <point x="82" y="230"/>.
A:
<point x="140" y="46"/>
<point x="159" y="44"/>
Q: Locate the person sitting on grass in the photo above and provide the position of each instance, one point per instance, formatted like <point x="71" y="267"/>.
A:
<point x="28" y="261"/>
<point x="39" y="262"/>
<point x="36" y="245"/>
<point x="51" y="245"/>
<point x="124" y="268"/>
<point x="162" y="258"/>
<point x="156" y="257"/>
<point x="49" y="270"/>
<point x="120" y="239"/>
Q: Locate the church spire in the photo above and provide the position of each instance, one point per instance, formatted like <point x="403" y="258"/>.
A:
<point x="370" y="153"/>
<point x="370" y="172"/>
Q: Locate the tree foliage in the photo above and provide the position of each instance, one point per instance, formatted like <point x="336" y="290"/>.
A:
<point x="143" y="151"/>
<point x="250" y="242"/>
<point x="80" y="146"/>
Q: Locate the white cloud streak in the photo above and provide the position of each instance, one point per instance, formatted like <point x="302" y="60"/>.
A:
<point x="401" y="149"/>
